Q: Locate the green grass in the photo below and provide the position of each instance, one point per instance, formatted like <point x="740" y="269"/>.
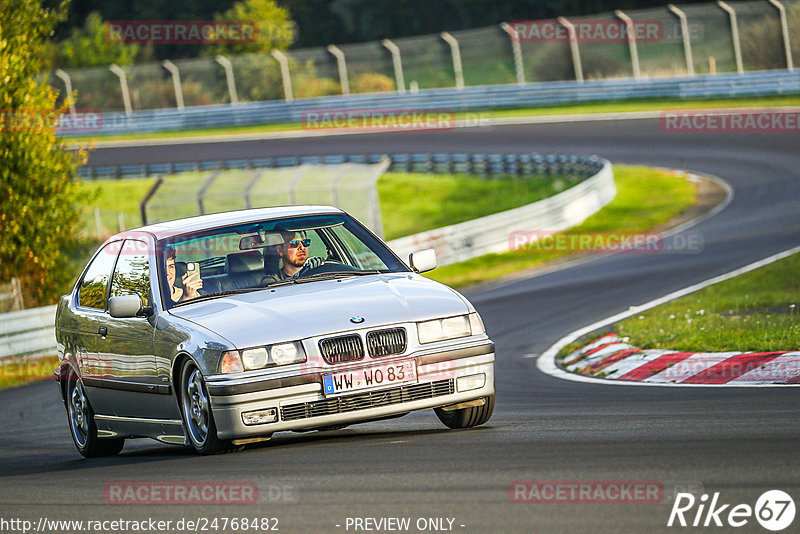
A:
<point x="757" y="311"/>
<point x="410" y="202"/>
<point x="112" y="197"/>
<point x="646" y="199"/>
<point x="649" y="104"/>
<point x="15" y="371"/>
<point x="590" y="107"/>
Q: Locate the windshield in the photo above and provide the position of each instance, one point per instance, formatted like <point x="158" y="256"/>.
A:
<point x="256" y="255"/>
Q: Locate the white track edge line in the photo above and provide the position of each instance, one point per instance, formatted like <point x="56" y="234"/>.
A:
<point x="459" y="123"/>
<point x="546" y="361"/>
<point x="295" y="134"/>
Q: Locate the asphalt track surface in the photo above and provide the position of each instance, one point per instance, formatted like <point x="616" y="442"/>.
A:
<point x="736" y="441"/>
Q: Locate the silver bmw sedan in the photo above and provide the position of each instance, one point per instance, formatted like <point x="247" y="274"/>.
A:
<point x="220" y="330"/>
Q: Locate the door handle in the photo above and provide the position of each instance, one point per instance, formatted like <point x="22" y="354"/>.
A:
<point x="103" y="331"/>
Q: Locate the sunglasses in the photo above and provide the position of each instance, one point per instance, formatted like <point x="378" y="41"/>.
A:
<point x="294" y="243"/>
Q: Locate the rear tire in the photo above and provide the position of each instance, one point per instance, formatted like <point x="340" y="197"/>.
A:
<point x="198" y="420"/>
<point x="82" y="426"/>
<point x="467" y="417"/>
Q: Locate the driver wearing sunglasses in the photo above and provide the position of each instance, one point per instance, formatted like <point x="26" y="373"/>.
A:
<point x="294" y="253"/>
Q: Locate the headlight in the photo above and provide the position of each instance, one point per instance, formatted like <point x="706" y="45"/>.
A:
<point x="261" y="357"/>
<point x="441" y="329"/>
<point x="287" y="353"/>
<point x="254" y="358"/>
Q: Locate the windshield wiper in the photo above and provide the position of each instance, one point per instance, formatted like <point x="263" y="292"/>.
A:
<point x="334" y="275"/>
<point x="220" y="294"/>
<point x="322" y="276"/>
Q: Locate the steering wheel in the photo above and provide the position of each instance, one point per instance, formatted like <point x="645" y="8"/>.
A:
<point x="328" y="266"/>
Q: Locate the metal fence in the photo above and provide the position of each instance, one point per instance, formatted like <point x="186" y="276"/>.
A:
<point x="349" y="181"/>
<point x="425" y="162"/>
<point x="448" y="101"/>
<point x="722" y="37"/>
<point x="347" y="185"/>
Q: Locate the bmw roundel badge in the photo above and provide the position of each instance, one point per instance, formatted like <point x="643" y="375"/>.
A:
<point x="356" y="320"/>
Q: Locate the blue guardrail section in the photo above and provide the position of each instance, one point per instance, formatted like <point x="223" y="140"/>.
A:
<point x="764" y="83"/>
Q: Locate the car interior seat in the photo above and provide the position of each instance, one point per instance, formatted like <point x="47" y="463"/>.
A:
<point x="245" y="269"/>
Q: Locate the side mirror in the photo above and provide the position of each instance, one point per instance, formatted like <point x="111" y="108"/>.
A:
<point x="423" y="260"/>
<point x="125" y="306"/>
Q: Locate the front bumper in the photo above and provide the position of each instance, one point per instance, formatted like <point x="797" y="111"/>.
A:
<point x="301" y="405"/>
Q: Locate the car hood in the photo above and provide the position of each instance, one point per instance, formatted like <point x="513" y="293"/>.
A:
<point x="323" y="307"/>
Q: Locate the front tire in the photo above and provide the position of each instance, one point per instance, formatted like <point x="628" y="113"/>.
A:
<point x="82" y="426"/>
<point x="467" y="417"/>
<point x="198" y="419"/>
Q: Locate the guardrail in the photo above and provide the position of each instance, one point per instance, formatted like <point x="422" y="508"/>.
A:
<point x="437" y="162"/>
<point x="491" y="234"/>
<point x="762" y="83"/>
<point x="28" y="333"/>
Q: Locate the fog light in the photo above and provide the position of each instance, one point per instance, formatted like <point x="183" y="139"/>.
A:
<point x="259" y="417"/>
<point x="466" y="383"/>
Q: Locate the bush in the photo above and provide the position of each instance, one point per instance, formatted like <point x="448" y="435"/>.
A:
<point x="309" y="86"/>
<point x="305" y="82"/>
<point x="274" y="28"/>
<point x="258" y="77"/>
<point x="161" y="94"/>
<point x="371" y="82"/>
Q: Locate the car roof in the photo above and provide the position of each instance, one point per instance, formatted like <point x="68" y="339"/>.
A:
<point x="191" y="224"/>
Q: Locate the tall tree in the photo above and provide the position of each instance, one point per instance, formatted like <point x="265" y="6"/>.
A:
<point x="274" y="28"/>
<point x="89" y="46"/>
<point x="39" y="199"/>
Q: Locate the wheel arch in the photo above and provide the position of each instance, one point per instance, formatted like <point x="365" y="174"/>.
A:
<point x="175" y="379"/>
<point x="67" y="369"/>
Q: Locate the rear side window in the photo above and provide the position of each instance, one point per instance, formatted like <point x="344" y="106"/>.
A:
<point x="132" y="274"/>
<point x="92" y="293"/>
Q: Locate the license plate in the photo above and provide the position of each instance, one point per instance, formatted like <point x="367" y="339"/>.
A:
<point x="368" y="377"/>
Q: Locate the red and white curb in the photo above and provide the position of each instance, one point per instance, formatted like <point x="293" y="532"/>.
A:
<point x="546" y="362"/>
<point x="611" y="357"/>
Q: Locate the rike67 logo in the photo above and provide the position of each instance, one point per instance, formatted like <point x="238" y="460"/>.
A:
<point x="774" y="510"/>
